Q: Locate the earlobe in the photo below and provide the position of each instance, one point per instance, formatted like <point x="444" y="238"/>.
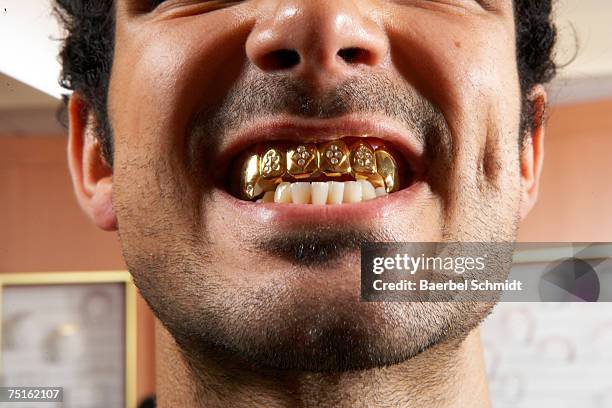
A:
<point x="91" y="175"/>
<point x="532" y="152"/>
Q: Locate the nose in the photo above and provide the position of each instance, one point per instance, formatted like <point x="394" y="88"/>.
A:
<point x="322" y="38"/>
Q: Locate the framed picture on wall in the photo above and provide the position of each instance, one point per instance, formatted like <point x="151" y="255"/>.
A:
<point x="75" y="330"/>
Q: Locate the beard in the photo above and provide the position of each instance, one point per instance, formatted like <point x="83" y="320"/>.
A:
<point x="300" y="321"/>
<point x="287" y="324"/>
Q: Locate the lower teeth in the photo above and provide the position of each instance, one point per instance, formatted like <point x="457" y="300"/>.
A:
<point x="320" y="193"/>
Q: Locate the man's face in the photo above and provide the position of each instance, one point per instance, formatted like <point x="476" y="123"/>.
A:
<point x="197" y="84"/>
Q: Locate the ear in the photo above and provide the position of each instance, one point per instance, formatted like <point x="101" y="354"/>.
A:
<point x="92" y="177"/>
<point x="532" y="153"/>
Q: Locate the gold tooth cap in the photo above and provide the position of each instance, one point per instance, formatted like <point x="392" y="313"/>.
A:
<point x="263" y="172"/>
<point x="272" y="164"/>
<point x="334" y="158"/>
<point x="387" y="168"/>
<point x="302" y="161"/>
<point x="362" y="160"/>
<point x="363" y="164"/>
<point x="249" y="176"/>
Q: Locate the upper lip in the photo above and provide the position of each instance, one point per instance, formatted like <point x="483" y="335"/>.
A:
<point x="322" y="130"/>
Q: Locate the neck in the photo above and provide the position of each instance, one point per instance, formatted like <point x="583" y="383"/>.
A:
<point x="447" y="375"/>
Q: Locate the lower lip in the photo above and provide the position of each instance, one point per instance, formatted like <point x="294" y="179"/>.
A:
<point x="288" y="214"/>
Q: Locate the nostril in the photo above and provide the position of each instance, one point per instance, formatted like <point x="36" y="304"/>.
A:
<point x="355" y="55"/>
<point x="280" y="60"/>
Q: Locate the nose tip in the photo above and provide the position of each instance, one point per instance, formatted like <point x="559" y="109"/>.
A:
<point x="328" y="37"/>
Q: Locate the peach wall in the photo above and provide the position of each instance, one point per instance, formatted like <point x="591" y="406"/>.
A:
<point x="44" y="230"/>
<point x="575" y="202"/>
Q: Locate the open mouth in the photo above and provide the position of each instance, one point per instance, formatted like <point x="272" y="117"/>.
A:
<point x="345" y="170"/>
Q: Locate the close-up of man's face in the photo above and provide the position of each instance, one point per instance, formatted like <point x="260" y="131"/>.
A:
<point x="408" y="118"/>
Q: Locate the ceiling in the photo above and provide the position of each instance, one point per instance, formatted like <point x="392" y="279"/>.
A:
<point x="27" y="111"/>
<point x="585" y="29"/>
<point x="584" y="51"/>
<point x="15" y="95"/>
<point x="29" y="43"/>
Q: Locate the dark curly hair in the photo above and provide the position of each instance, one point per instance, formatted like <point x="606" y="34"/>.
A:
<point x="87" y="55"/>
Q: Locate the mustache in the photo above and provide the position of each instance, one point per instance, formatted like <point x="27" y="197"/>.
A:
<point x="256" y="95"/>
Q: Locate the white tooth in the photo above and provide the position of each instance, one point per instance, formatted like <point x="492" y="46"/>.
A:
<point x="300" y="193"/>
<point x="259" y="201"/>
<point x="381" y="192"/>
<point x="367" y="190"/>
<point x="319" y="193"/>
<point x="336" y="192"/>
<point x="283" y="193"/>
<point x="268" y="197"/>
<point x="352" y="192"/>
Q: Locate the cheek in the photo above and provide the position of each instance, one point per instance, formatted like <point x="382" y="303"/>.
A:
<point x="466" y="67"/>
<point x="468" y="71"/>
<point x="164" y="72"/>
<point x="162" y="75"/>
